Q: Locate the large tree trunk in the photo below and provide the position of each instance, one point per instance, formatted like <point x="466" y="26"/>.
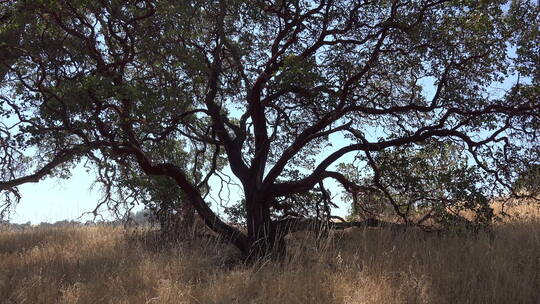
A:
<point x="265" y="239"/>
<point x="194" y="197"/>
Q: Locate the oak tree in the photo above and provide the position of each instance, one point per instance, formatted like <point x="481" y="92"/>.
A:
<point x="283" y="90"/>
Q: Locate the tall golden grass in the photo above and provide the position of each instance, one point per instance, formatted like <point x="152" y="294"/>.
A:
<point x="110" y="265"/>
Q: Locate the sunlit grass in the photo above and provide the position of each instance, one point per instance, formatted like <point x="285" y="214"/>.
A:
<point x="110" y="265"/>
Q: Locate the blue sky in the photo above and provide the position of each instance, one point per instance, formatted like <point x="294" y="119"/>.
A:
<point x="53" y="199"/>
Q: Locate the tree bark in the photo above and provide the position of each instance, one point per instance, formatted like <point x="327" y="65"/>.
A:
<point x="194" y="197"/>
<point x="264" y="236"/>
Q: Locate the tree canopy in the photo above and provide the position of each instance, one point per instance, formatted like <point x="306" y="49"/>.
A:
<point x="277" y="92"/>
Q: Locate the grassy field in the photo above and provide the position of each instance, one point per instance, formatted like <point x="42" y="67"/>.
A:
<point x="110" y="265"/>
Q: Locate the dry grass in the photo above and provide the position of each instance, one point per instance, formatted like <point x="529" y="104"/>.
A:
<point x="107" y="265"/>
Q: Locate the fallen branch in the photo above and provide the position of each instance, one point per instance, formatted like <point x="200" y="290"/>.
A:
<point x="290" y="225"/>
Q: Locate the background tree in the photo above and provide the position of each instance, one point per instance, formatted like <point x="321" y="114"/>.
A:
<point x="529" y="179"/>
<point x="283" y="89"/>
<point x="430" y="182"/>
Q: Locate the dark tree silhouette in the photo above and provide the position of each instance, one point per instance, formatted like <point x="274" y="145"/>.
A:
<point x="266" y="86"/>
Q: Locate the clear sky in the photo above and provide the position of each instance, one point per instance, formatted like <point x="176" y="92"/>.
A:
<point x="53" y="199"/>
